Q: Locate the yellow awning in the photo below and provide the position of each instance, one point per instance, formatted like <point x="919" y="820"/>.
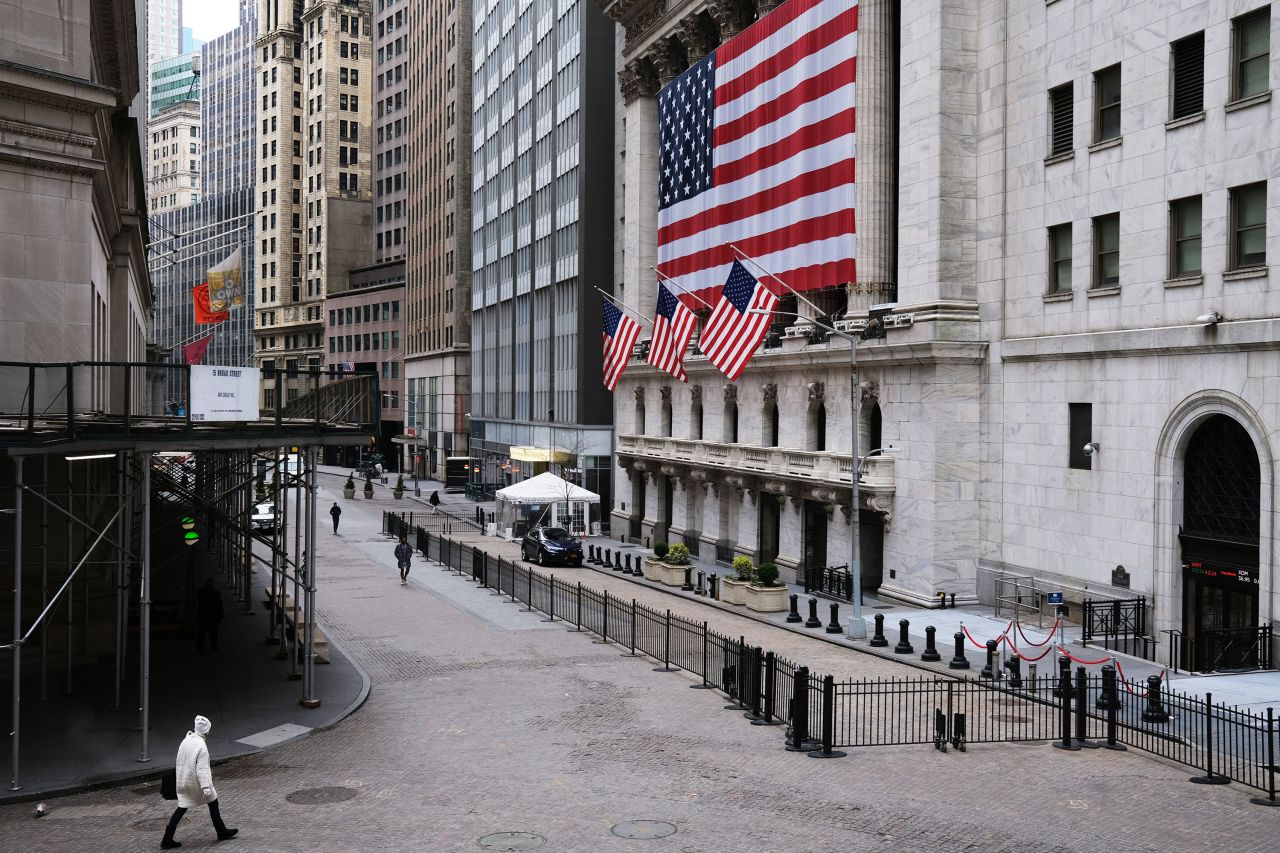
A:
<point x="539" y="454"/>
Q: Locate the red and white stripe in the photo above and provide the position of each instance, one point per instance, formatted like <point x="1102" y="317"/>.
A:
<point x="783" y="154"/>
<point x="670" y="341"/>
<point x="731" y="338"/>
<point x="617" y="350"/>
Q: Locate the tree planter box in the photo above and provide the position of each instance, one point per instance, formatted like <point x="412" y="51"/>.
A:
<point x="766" y="599"/>
<point x="664" y="573"/>
<point x="733" y="591"/>
<point x="348" y="493"/>
<point x="398" y="495"/>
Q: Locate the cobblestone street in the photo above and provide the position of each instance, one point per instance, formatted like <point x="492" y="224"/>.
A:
<point x="485" y="719"/>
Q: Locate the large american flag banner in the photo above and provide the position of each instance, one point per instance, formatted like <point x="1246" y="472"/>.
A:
<point x="757" y="150"/>
<point x="620" y="333"/>
<point x="738" y="323"/>
<point x="673" y="324"/>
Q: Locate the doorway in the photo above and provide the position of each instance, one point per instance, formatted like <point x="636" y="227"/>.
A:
<point x="815" y="534"/>
<point x="770" y="519"/>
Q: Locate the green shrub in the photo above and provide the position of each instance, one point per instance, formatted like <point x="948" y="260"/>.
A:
<point x="660" y="550"/>
<point x="350" y="484"/>
<point x="743" y="568"/>
<point x="766" y="575"/>
<point x="400" y="483"/>
<point x="678" y="555"/>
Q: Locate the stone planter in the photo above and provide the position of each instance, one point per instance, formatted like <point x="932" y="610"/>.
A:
<point x="733" y="591"/>
<point x="348" y="493"/>
<point x="398" y="494"/>
<point x="766" y="599"/>
<point x="368" y="494"/>
<point x="664" y="573"/>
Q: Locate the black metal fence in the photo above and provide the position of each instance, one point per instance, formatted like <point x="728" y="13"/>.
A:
<point x="1118" y="626"/>
<point x="1214" y="650"/>
<point x="830" y="581"/>
<point x="1087" y="710"/>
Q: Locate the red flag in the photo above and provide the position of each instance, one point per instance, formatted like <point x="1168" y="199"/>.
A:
<point x="205" y="314"/>
<point x="193" y="353"/>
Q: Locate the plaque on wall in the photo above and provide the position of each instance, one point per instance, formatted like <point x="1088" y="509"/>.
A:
<point x="1120" y="577"/>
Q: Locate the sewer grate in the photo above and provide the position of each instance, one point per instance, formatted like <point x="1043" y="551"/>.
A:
<point x="508" y="841"/>
<point x="321" y="796"/>
<point x="643" y="829"/>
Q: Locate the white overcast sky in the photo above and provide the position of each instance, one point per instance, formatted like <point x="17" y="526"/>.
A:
<point x="209" y="19"/>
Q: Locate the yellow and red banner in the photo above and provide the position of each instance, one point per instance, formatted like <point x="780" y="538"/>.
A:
<point x="204" y="312"/>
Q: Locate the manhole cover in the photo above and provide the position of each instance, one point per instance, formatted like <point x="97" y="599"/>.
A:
<point x="643" y="829"/>
<point x="321" y="796"/>
<point x="154" y="825"/>
<point x="511" y="841"/>
<point x="1010" y="718"/>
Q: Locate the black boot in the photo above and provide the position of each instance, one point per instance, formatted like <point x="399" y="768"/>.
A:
<point x="224" y="834"/>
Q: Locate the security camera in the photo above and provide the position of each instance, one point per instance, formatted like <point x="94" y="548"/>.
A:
<point x="1210" y="319"/>
<point x="1091" y="448"/>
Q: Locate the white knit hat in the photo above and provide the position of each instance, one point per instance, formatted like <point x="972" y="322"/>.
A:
<point x="203" y="725"/>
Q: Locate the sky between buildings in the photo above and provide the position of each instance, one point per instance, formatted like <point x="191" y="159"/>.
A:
<point x="209" y="19"/>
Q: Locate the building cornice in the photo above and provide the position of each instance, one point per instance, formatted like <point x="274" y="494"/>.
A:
<point x="49" y="88"/>
<point x="1237" y="336"/>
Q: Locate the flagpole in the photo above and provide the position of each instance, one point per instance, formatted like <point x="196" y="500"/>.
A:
<point x="760" y="267"/>
<point x="681" y="288"/>
<point x="623" y="305"/>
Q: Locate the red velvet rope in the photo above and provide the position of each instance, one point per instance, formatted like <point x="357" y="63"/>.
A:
<point x="1070" y="656"/>
<point x="1004" y="635"/>
<point x="1043" y="642"/>
<point x="1027" y="659"/>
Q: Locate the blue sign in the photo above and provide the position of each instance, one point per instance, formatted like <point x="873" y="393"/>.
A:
<point x="1055" y="597"/>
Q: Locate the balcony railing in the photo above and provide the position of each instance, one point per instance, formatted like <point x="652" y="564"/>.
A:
<point x="806" y="465"/>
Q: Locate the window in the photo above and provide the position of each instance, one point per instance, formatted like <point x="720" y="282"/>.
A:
<point x="1060" y="258"/>
<point x="1251" y="48"/>
<point x="1061" y="120"/>
<point x="1184" y="228"/>
<point x="1106" y="250"/>
<point x="1080" y="432"/>
<point x="1249" y="226"/>
<point x="1106" y="104"/>
<point x="1188" y="77"/>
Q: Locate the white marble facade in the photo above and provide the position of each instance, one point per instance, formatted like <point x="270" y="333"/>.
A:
<point x="976" y="376"/>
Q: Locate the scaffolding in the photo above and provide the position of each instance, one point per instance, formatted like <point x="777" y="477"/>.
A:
<point x="108" y="489"/>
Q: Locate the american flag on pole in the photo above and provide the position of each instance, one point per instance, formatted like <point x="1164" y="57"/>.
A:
<point x="673" y="324"/>
<point x="620" y="333"/>
<point x="738" y="323"/>
<point x="756" y="149"/>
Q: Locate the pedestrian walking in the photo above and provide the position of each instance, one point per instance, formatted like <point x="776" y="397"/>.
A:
<point x="404" y="556"/>
<point x="195" y="784"/>
<point x="208" y="615"/>
<point x="434" y="500"/>
<point x="336" y="512"/>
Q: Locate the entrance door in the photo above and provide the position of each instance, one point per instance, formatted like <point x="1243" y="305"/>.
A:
<point x="815" y="535"/>
<point x="637" y="506"/>
<point x="770" y="518"/>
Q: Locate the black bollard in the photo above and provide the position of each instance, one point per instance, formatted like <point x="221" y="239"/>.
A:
<point x="834" y="626"/>
<point x="989" y="671"/>
<point x="702" y="583"/>
<point x="1064" y="671"/>
<point x="813" y="621"/>
<point x="794" y="615"/>
<point x="688" y="580"/>
<point x="595" y="555"/>
<point x="1014" y="665"/>
<point x="1082" y="709"/>
<point x="1154" y="712"/>
<point x="1104" y="696"/>
<point x="800" y="741"/>
<point x="904" y="645"/>
<point x="608" y="558"/>
<point x="714" y="587"/>
<point x="1113" y="707"/>
<point x="637" y="570"/>
<point x="959" y="661"/>
<point x="877" y="638"/>
<point x="930" y="654"/>
<point x="1063" y="692"/>
<point x="617" y="567"/>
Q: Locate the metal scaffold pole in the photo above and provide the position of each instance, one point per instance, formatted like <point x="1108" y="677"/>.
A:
<point x="16" y="734"/>
<point x="144" y="614"/>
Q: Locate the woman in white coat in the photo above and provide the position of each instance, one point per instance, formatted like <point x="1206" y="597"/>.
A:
<point x="195" y="784"/>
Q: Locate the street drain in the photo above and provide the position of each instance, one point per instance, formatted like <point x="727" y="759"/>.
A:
<point x="508" y="841"/>
<point x="321" y="796"/>
<point x="1010" y="718"/>
<point x="643" y="829"/>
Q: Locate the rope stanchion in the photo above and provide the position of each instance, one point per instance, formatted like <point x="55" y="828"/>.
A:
<point x="1070" y="656"/>
<point x="1053" y="629"/>
<point x="1126" y="682"/>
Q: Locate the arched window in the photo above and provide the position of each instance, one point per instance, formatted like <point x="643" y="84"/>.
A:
<point x="771" y="424"/>
<point x="666" y="416"/>
<point x="816" y="426"/>
<point x="695" y="419"/>
<point x="639" y="426"/>
<point x="731" y="421"/>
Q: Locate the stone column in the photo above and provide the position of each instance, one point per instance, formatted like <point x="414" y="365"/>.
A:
<point x="679" y="509"/>
<point x="639" y="85"/>
<point x="876" y="192"/>
<point x="710" y="521"/>
<point x="790" y="536"/>
<point x="840" y="535"/>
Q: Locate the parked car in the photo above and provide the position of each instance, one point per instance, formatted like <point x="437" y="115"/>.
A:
<point x="264" y="517"/>
<point x="542" y="544"/>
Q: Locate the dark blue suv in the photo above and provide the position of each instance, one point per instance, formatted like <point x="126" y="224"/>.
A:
<point x="543" y="544"/>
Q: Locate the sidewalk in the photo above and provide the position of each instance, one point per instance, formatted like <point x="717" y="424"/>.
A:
<point x="76" y="742"/>
<point x="1254" y="691"/>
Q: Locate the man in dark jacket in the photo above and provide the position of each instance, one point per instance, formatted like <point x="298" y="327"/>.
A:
<point x="336" y="512"/>
<point x="208" y="615"/>
<point x="404" y="554"/>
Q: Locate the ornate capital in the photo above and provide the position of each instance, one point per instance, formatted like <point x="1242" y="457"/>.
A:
<point x="870" y="391"/>
<point x="698" y="35"/>
<point x="638" y="23"/>
<point x="770" y="391"/>
<point x="639" y="392"/>
<point x="665" y="390"/>
<point x="817" y="391"/>
<point x="638" y="79"/>
<point x="731" y="16"/>
<point x="731" y="393"/>
<point x="668" y="57"/>
<point x="695" y="393"/>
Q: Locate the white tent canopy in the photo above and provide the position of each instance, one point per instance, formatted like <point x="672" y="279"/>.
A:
<point x="545" y="499"/>
<point x="545" y="488"/>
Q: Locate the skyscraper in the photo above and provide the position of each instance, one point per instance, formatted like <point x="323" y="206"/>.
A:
<point x="427" y="144"/>
<point x="541" y="238"/>
<point x="164" y="30"/>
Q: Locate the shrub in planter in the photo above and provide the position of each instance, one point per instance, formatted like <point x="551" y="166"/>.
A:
<point x="678" y="555"/>
<point x="766" y="575"/>
<point x="660" y="550"/>
<point x="400" y="483"/>
<point x="368" y="485"/>
<point x="743" y="568"/>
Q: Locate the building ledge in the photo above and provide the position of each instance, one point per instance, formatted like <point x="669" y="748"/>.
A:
<point x="1245" y="103"/>
<point x="1247" y="272"/>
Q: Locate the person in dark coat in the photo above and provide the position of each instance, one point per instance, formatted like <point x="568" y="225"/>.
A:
<point x="208" y="615"/>
<point x="434" y="500"/>
<point x="336" y="512"/>
<point x="404" y="556"/>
